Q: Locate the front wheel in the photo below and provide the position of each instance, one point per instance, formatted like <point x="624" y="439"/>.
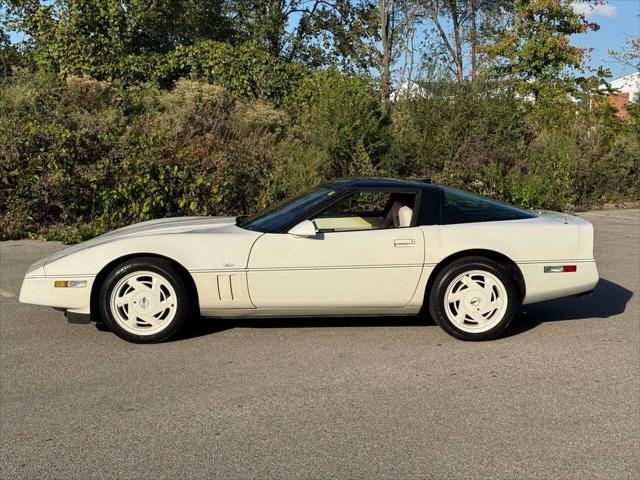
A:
<point x="474" y="298"/>
<point x="144" y="300"/>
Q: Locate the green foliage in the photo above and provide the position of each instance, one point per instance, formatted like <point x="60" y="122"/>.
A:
<point x="10" y="56"/>
<point x="344" y="120"/>
<point x="78" y="151"/>
<point x="450" y="129"/>
<point x="546" y="178"/>
<point x="245" y="70"/>
<point x="79" y="156"/>
<point x="609" y="167"/>
<point x="536" y="55"/>
<point x="103" y="38"/>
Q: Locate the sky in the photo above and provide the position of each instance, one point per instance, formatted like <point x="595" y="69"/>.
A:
<point x="616" y="18"/>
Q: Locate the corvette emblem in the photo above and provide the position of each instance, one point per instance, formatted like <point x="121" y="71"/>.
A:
<point x="144" y="303"/>
<point x="475" y="301"/>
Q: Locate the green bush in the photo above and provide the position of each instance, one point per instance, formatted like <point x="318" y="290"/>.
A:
<point x="546" y="176"/>
<point x="245" y="71"/>
<point x="609" y="170"/>
<point x="457" y="131"/>
<point x="52" y="133"/>
<point x="79" y="152"/>
<point x="344" y="121"/>
<point x="80" y="156"/>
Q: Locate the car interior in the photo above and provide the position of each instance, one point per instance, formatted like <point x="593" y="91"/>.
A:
<point x="368" y="211"/>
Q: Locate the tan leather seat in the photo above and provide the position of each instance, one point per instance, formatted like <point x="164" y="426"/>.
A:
<point x="395" y="218"/>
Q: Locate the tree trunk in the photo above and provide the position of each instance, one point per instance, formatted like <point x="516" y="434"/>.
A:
<point x="474" y="39"/>
<point x="455" y="20"/>
<point x="385" y="8"/>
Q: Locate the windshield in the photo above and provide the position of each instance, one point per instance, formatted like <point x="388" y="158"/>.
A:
<point x="275" y="218"/>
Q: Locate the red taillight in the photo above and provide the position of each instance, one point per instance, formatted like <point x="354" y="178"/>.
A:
<point x="559" y="268"/>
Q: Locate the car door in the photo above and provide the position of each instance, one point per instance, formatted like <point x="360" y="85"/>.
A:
<point x="352" y="268"/>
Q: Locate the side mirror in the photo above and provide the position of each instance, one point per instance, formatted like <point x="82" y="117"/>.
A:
<point x="306" y="228"/>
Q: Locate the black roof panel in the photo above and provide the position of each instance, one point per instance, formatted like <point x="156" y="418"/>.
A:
<point x="377" y="182"/>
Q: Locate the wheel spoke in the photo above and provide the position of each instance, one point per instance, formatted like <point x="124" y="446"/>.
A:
<point x="147" y="318"/>
<point x="162" y="306"/>
<point x="125" y="299"/>
<point x="488" y="286"/>
<point x="491" y="306"/>
<point x="456" y="296"/>
<point x="460" y="315"/>
<point x="138" y="286"/>
<point x="477" y="317"/>
<point x="155" y="289"/>
<point x="469" y="282"/>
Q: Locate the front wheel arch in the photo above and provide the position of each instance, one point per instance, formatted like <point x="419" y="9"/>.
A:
<point x="102" y="275"/>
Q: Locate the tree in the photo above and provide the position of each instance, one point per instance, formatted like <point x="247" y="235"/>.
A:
<point x="461" y="28"/>
<point x="265" y="22"/>
<point x="301" y="30"/>
<point x="630" y="54"/>
<point x="9" y="55"/>
<point x="359" y="35"/>
<point x="94" y="37"/>
<point x="535" y="55"/>
<point x="349" y="33"/>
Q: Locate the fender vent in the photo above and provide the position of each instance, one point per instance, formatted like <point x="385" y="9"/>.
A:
<point x="230" y="287"/>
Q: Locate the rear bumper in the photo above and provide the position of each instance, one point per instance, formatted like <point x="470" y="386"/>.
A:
<point x="546" y="286"/>
<point x="39" y="290"/>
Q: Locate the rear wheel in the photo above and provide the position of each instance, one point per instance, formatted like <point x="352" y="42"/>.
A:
<point x="473" y="298"/>
<point x="144" y="300"/>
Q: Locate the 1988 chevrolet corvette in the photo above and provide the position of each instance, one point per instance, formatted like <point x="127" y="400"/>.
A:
<point x="359" y="246"/>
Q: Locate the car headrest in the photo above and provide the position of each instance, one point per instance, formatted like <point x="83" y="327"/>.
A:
<point x="404" y="215"/>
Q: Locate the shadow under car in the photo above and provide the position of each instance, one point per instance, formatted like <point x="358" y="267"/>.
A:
<point x="608" y="299"/>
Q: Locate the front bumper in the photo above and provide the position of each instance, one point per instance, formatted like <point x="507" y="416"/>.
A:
<point x="39" y="290"/>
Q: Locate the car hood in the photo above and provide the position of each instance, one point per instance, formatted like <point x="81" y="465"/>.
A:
<point x="170" y="225"/>
<point x="153" y="227"/>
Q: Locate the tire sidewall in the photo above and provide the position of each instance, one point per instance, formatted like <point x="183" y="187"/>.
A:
<point x="161" y="267"/>
<point x="448" y="274"/>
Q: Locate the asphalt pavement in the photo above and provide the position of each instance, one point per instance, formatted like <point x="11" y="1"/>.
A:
<point x="557" y="398"/>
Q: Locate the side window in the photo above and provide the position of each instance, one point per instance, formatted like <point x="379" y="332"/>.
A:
<point x="462" y="207"/>
<point x="368" y="211"/>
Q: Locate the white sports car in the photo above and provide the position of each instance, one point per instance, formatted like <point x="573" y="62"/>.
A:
<point x="361" y="246"/>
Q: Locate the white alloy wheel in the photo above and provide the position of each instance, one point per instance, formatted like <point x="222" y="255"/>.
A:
<point x="475" y="301"/>
<point x="143" y="303"/>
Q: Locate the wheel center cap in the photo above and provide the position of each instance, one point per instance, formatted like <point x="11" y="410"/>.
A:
<point x="144" y="303"/>
<point x="474" y="300"/>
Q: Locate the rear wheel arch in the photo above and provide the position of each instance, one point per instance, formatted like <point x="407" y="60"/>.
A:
<point x="102" y="275"/>
<point x="509" y="265"/>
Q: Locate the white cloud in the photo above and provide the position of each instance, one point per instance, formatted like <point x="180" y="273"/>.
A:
<point x="598" y="10"/>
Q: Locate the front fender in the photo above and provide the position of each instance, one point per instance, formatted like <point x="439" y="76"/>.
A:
<point x="195" y="252"/>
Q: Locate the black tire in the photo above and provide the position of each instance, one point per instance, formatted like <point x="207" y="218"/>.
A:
<point x="449" y="274"/>
<point x="166" y="271"/>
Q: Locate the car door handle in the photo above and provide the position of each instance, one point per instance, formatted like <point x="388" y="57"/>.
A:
<point x="404" y="242"/>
